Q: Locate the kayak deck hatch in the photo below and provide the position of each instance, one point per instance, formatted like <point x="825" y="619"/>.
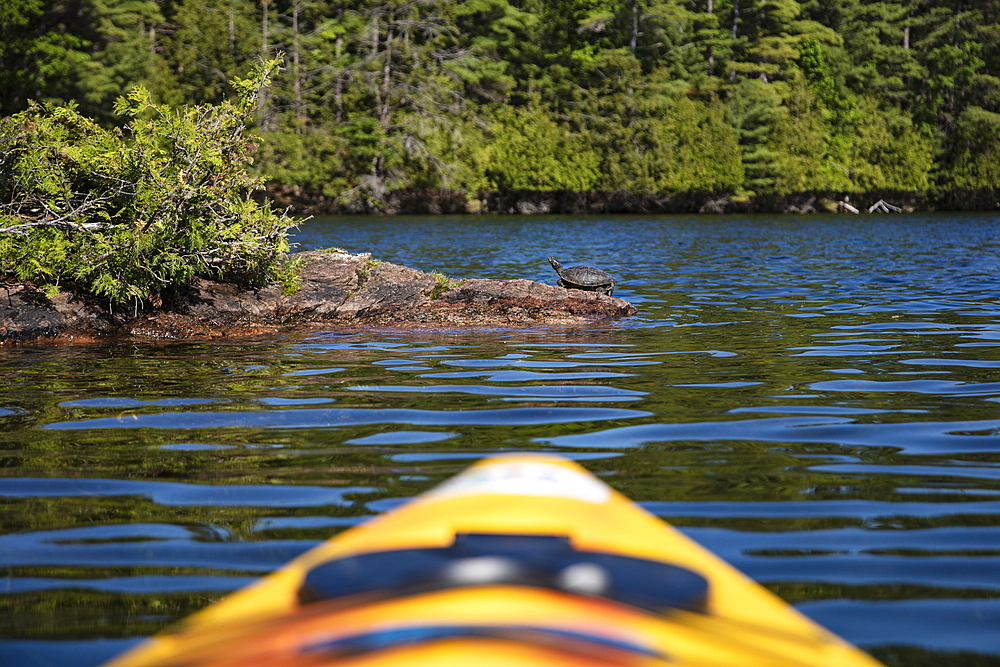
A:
<point x="547" y="561"/>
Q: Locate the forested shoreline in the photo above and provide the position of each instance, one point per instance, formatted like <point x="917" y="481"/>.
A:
<point x="558" y="105"/>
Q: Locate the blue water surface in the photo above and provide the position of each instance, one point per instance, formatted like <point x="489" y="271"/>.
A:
<point x="816" y="399"/>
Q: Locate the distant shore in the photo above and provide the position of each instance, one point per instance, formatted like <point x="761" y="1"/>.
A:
<point x="528" y="202"/>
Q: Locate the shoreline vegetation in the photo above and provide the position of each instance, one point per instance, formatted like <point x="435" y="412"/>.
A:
<point x="135" y="160"/>
<point x="559" y="105"/>
<point x="413" y="201"/>
<point x="151" y="232"/>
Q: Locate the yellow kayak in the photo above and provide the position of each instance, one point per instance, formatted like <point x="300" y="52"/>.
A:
<point x="524" y="560"/>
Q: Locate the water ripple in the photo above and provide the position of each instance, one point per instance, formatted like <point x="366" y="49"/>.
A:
<point x="177" y="493"/>
<point x="919" y="386"/>
<point x="559" y="392"/>
<point x="909" y="437"/>
<point x="318" y="418"/>
<point x="817" y="403"/>
<point x="946" y="625"/>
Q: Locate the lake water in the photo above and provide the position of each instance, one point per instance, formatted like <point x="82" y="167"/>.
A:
<point x="816" y="399"/>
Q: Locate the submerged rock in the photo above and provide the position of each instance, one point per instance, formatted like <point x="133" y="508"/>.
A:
<point x="335" y="289"/>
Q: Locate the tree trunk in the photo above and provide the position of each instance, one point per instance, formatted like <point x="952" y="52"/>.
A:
<point x="711" y="55"/>
<point x="338" y="92"/>
<point x="736" y="24"/>
<point x="265" y="122"/>
<point x="954" y="25"/>
<point x="232" y="29"/>
<point x="296" y="65"/>
<point x="386" y="73"/>
<point x="264" y="47"/>
<point x="634" y="39"/>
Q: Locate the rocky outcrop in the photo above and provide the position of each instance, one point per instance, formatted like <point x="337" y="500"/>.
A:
<point x="27" y="314"/>
<point x="333" y="289"/>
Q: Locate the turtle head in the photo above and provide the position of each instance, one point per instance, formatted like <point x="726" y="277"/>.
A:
<point x="555" y="265"/>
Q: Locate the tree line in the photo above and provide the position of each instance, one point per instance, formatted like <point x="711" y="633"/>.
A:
<point x="746" y="97"/>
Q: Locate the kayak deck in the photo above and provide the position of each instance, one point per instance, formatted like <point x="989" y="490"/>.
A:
<point x="528" y="559"/>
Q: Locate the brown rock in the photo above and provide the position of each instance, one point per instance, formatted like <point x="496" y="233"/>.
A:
<point x="211" y="300"/>
<point x="527" y="301"/>
<point x="327" y="281"/>
<point x="27" y="314"/>
<point x="390" y="288"/>
<point x="335" y="288"/>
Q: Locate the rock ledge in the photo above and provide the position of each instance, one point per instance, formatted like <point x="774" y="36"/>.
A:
<point x="337" y="290"/>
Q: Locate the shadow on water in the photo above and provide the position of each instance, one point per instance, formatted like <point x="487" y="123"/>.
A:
<point x="815" y="399"/>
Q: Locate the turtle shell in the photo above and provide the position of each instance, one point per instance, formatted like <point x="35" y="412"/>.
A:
<point x="584" y="278"/>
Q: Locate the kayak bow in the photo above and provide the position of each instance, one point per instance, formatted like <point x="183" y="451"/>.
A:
<point x="524" y="560"/>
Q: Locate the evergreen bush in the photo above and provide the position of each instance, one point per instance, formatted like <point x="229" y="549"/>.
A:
<point x="129" y="214"/>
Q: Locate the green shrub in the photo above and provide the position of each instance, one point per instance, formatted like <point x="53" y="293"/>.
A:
<point x="530" y="151"/>
<point x="975" y="151"/>
<point x="889" y="152"/>
<point x="127" y="215"/>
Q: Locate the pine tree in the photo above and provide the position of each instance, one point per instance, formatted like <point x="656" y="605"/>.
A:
<point x="754" y="111"/>
<point x="212" y="42"/>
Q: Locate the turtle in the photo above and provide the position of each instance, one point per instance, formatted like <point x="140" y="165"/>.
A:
<point x="583" y="277"/>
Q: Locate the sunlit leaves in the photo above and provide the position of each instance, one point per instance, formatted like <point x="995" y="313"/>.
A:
<point x="127" y="219"/>
<point x="531" y="152"/>
<point x="977" y="160"/>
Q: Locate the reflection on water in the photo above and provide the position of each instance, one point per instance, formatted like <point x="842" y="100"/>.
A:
<point x="814" y="399"/>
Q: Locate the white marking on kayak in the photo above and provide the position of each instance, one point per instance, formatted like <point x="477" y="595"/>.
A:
<point x="524" y="478"/>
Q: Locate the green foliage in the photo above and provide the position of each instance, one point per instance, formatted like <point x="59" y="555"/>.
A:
<point x="215" y="40"/>
<point x="128" y="218"/>
<point x="444" y="283"/>
<point x="37" y="57"/>
<point x="703" y="150"/>
<point x="755" y="111"/>
<point x="653" y="141"/>
<point x="801" y="141"/>
<point x="530" y="151"/>
<point x="125" y="55"/>
<point x="16" y="50"/>
<point x="889" y="152"/>
<point x="814" y="66"/>
<point x="635" y="95"/>
<point x="313" y="159"/>
<point x="288" y="275"/>
<point x="976" y="161"/>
